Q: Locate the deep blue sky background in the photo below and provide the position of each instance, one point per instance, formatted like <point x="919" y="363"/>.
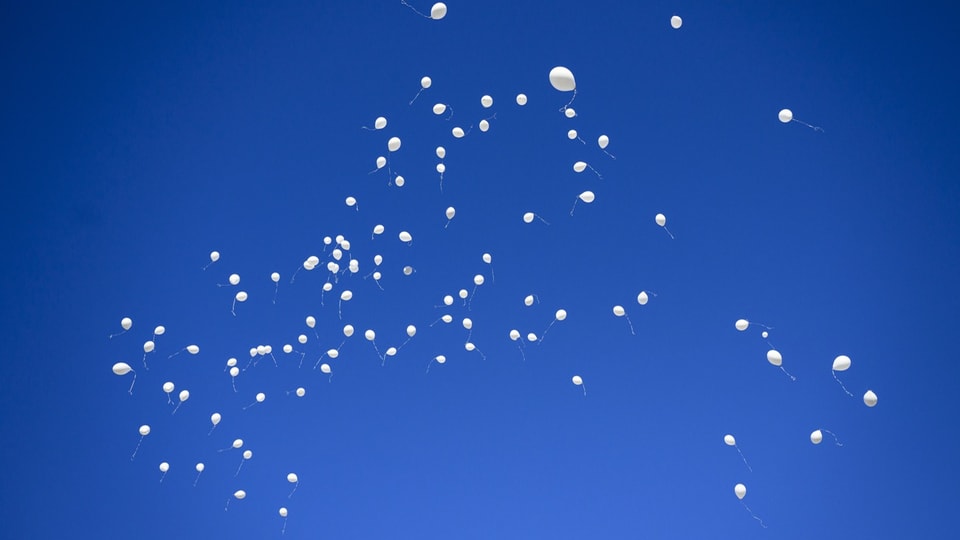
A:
<point x="136" y="139"/>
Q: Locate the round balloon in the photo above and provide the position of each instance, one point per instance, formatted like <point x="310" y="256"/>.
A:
<point x="729" y="440"/>
<point x="740" y="490"/>
<point x="816" y="437"/>
<point x="869" y="398"/>
<point x="841" y="363"/>
<point x="562" y="79"/>
<point x="785" y="115"/>
<point x="438" y="11"/>
<point x="741" y="324"/>
<point x="774" y="357"/>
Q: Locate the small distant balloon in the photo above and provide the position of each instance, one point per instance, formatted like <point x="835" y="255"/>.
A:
<point x="676" y="22"/>
<point x="438" y="11"/>
<point x="521" y="99"/>
<point x="870" y="398"/>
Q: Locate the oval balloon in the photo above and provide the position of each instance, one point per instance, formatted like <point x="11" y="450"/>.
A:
<point x="275" y="277"/>
<point x="484" y="125"/>
<point x="785" y="115"/>
<point x="561" y="314"/>
<point x="774" y="357"/>
<point x="164" y="467"/>
<point x="643" y="298"/>
<point x="438" y="11"/>
<point x="729" y="440"/>
<point x="467" y="323"/>
<point x="439" y="108"/>
<point x="587" y="197"/>
<point x="841" y="363"/>
<point x="869" y="398"/>
<point x="126" y="323"/>
<point x="292" y="478"/>
<point x="425" y="82"/>
<point x="458" y="132"/>
<point x="486" y="102"/>
<point x="619" y="311"/>
<point x="528" y="217"/>
<point x="301" y="391"/>
<point x="740" y="490"/>
<point x="241" y="296"/>
<point x="393" y="144"/>
<point x="741" y="324"/>
<point x="528" y="300"/>
<point x="214" y="256"/>
<point x="247" y="454"/>
<point x="405" y="236"/>
<point x="562" y="79"/>
<point x="346" y="296"/>
<point x="237" y="443"/>
<point x="215" y="418"/>
<point x="577" y="380"/>
<point x="239" y="494"/>
<point x="514" y="335"/>
<point x="234" y="371"/>
<point x="325" y="368"/>
<point x="816" y="437"/>
<point x="168" y="387"/>
<point x="184" y="395"/>
<point x="676" y="22"/>
<point x="370" y="335"/>
<point x="144" y="430"/>
<point x="478" y="280"/>
<point x="440" y="358"/>
<point x="283" y="512"/>
<point x="660" y="219"/>
<point x="381" y="162"/>
<point x="311" y="321"/>
<point x="570" y="112"/>
<point x="441" y="152"/>
<point x="487" y="258"/>
<point x="380" y="123"/>
<point x="199" y="467"/>
<point x="603" y="141"/>
<point x="451" y="211"/>
<point x="121" y="368"/>
<point x="158" y="331"/>
<point x="579" y="166"/>
<point x="234" y="279"/>
<point x="260" y="397"/>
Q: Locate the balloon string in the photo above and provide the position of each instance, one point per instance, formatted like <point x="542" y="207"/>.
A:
<point x="470" y="300"/>
<point x="815" y="128"/>
<point x="428" y="365"/>
<point x="841" y="384"/>
<point x="574" y="205"/>
<point x="238" y="468"/>
<point x="600" y="176"/>
<point x="226" y="506"/>
<point x="301" y="360"/>
<point x="630" y="323"/>
<point x="294" y="490"/>
<point x="274" y="359"/>
<point x="609" y="154"/>
<point x="198" y="479"/>
<point x="275" y="291"/>
<point x="414" y="9"/>
<point x="377" y="281"/>
<point x="754" y="516"/>
<point x="111" y="336"/>
<point x="208" y="265"/>
<point x="584" y="389"/>
<point x="135" y="450"/>
<point x="670" y="233"/>
<point x="374" y="342"/>
<point x="544" y="334"/>
<point x="792" y="378"/>
<point x="133" y="382"/>
<point x="294" y="276"/>
<point x="233" y="383"/>
<point x="522" y="355"/>
<point x="234" y="307"/>
<point x="565" y="107"/>
<point x="284" y="529"/>
<point x="162" y="477"/>
<point x="743" y="458"/>
<point x="211" y="432"/>
<point x="145" y="362"/>
<point x="177" y="407"/>
<point x="416" y="96"/>
<point x="835" y="439"/>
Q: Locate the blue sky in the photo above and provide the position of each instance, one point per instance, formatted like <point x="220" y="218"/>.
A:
<point x="136" y="139"/>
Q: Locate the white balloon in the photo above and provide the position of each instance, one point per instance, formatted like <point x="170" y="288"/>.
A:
<point x="302" y="338"/>
<point x="234" y="279"/>
<point x="311" y="321"/>
<point x="869" y="398"/>
<point x="579" y="166"/>
<point x="193" y="349"/>
<point x="467" y="323"/>
<point x="121" y="368"/>
<point x="411" y="330"/>
<point x="603" y="141"/>
<point x="486" y="101"/>
<point x="447" y="318"/>
<point x="370" y="335"/>
<point x="587" y="197"/>
<point x="327" y="287"/>
<point x="577" y="380"/>
<point x="440" y="359"/>
<point x="484" y="125"/>
<point x="380" y="123"/>
<point x="301" y="391"/>
<point x="676" y="22"/>
<point x="283" y="512"/>
<point x="234" y="371"/>
<point x="184" y="395"/>
<point x="451" y="211"/>
<point x="168" y="387"/>
<point x="392" y="351"/>
<point x="514" y="335"/>
<point x="448" y="300"/>
<point x="785" y="115"/>
<point x="126" y="323"/>
<point x="441" y="168"/>
<point x="457" y="132"/>
<point x="381" y="162"/>
<point x="729" y="440"/>
<point x="241" y="296"/>
<point x="425" y="82"/>
<point x="487" y="258"/>
<point x="528" y="300"/>
<point x="531" y="337"/>
<point x="405" y="236"/>
<point x="619" y="311"/>
<point x="292" y="478"/>
<point x="393" y="144"/>
<point x="841" y="363"/>
<point x="164" y="467"/>
<point x="570" y="112"/>
<point x="214" y="256"/>
<point x="572" y="134"/>
<point x="144" y="430"/>
<point x="774" y="357"/>
<point x="237" y="443"/>
<point x="643" y="298"/>
<point x="215" y="418"/>
<point x="438" y="11"/>
<point x="816" y="437"/>
<point x="528" y="217"/>
<point x="199" y="467"/>
<point x="231" y="362"/>
<point x="260" y="397"/>
<point x="325" y="368"/>
<point x="333" y="353"/>
<point x="247" y="454"/>
<point x="346" y="296"/>
<point x="660" y="219"/>
<point x="439" y="108"/>
<point x="521" y="99"/>
<point x="764" y="334"/>
<point x="478" y="280"/>
<point x="562" y="79"/>
<point x="463" y="294"/>
<point x="275" y="277"/>
<point x="159" y="331"/>
<point x="561" y="314"/>
<point x="407" y="270"/>
<point x="240" y="494"/>
<point x="350" y="201"/>
<point x="741" y="324"/>
<point x="348" y="330"/>
<point x="740" y="490"/>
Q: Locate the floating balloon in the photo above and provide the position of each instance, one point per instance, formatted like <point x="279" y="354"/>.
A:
<point x="393" y="144"/>
<point x="125" y="323"/>
<point x="740" y="490"/>
<point x="438" y="11"/>
<point x="662" y="221"/>
<point x="168" y="388"/>
<point x="562" y="79"/>
<point x="439" y="359"/>
<point x="570" y="112"/>
<point x="774" y="357"/>
<point x="451" y="211"/>
<point x="439" y="109"/>
<point x="193" y="349"/>
<point x="380" y="123"/>
<point x="816" y="437"/>
<point x="786" y="116"/>
<point x="144" y="430"/>
<point x="521" y="99"/>
<point x="121" y="369"/>
<point x="841" y="363"/>
<point x="301" y="391"/>
<point x="578" y="381"/>
<point x="441" y="152"/>
<point x="234" y="279"/>
<point x="486" y="102"/>
<point x="587" y="197"/>
<point x="184" y="395"/>
<point x="484" y="125"/>
<point x="164" y="467"/>
<point x="405" y="237"/>
<point x="199" y="467"/>
<point x="729" y="440"/>
<point x="676" y="22"/>
<point x="458" y="132"/>
<point x="528" y="217"/>
<point x="869" y="398"/>
<point x="425" y="82"/>
<point x="741" y="324"/>
<point x="619" y="311"/>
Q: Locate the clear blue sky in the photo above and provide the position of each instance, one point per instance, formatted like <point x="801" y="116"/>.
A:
<point x="136" y="139"/>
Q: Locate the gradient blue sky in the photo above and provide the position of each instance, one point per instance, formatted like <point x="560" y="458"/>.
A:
<point x="136" y="139"/>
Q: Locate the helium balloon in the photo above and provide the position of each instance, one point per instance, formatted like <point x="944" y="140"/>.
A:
<point x="238" y="443"/>
<point x="311" y="321"/>
<point x="729" y="440"/>
<point x="407" y="270"/>
<point x="603" y="141"/>
<point x="531" y="337"/>
<point x="661" y="220"/>
<point x="260" y="397"/>
<point x="587" y="197"/>
<point x="184" y="395"/>
<point x="121" y="368"/>
<point x="380" y="123"/>
<point x="439" y="108"/>
<point x="405" y="237"/>
<point x="579" y="166"/>
<point x="869" y="398"/>
<point x="841" y="363"/>
<point x="214" y="256"/>
<point x="425" y="82"/>
<point x="333" y="353"/>
<point x="740" y="490"/>
<point x="393" y="144"/>
<point x="764" y="334"/>
<point x="411" y="330"/>
<point x="521" y="99"/>
<point x="325" y="368"/>
<point x="774" y="357"/>
<point x="577" y="380"/>
<point x="562" y="79"/>
<point x="785" y="115"/>
<point x="676" y="22"/>
<point x="381" y="162"/>
<point x="467" y="323"/>
<point x="168" y="387"/>
<point x="451" y="211"/>
<point x="215" y="418"/>
<point x="346" y="296"/>
<point x="440" y="359"/>
<point x="486" y="102"/>
<point x="478" y="280"/>
<point x="240" y="494"/>
<point x="301" y="391"/>
<point x="458" y="132"/>
<point x="816" y="437"/>
<point x="159" y="331"/>
<point x="441" y="152"/>
<point x="126" y="323"/>
<point x="528" y="217"/>
<point x="741" y="324"/>
<point x="484" y="125"/>
<point x="283" y="512"/>
<point x="572" y="134"/>
<point x="438" y="11"/>
<point x="561" y="314"/>
<point x="144" y="430"/>
<point x="514" y="335"/>
<point x="528" y="300"/>
<point x="164" y="467"/>
<point x="447" y="318"/>
<point x="619" y="311"/>
<point x="441" y="168"/>
<point x="570" y="112"/>
<point x="370" y="335"/>
<point x="275" y="277"/>
<point x="200" y="467"/>
<point x="234" y="279"/>
<point x="148" y="346"/>
<point x="193" y="349"/>
<point x="643" y="298"/>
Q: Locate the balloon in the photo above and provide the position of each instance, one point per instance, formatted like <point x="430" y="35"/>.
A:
<point x="234" y="279"/>
<point x="241" y="296"/>
<point x="380" y="123"/>
<point x="619" y="311"/>
<point x="441" y="152"/>
<point x="487" y="258"/>
<point x="214" y="256"/>
<point x="441" y="168"/>
<point x="193" y="349"/>
<point x="292" y="478"/>
<point x="325" y="368"/>
<point x="199" y="467"/>
<point x="579" y="166"/>
<point x="275" y="277"/>
<point x="531" y="337"/>
<point x="302" y="338"/>
<point x="381" y="162"/>
<point x="528" y="300"/>
<point x="562" y="79"/>
<point x="346" y="296"/>
<point x="159" y="331"/>
<point x="168" y="387"/>
<point x="247" y="454"/>
<point x="643" y="298"/>
<point x="467" y="323"/>
<point x="121" y="368"/>
<point x="348" y="330"/>
<point x="486" y="101"/>
<point x="283" y="512"/>
<point x="425" y="82"/>
<point x="587" y="197"/>
<point x="457" y="132"/>
<point x="407" y="270"/>
<point x="370" y="335"/>
<point x="448" y="300"/>
<point x="463" y="294"/>
<point x="785" y="115"/>
<point x="729" y="440"/>
<point x="572" y="134"/>
<point x="215" y="418"/>
<point x="484" y="125"/>
<point x="514" y="335"/>
<point x="234" y="371"/>
<point x="740" y="490"/>
<point x="438" y="11"/>
<point x="869" y="398"/>
<point x="676" y="22"/>
<point x="405" y="236"/>
<point x="764" y="334"/>
<point x="184" y="395"/>
<point x="144" y="430"/>
<point x="570" y="112"/>
<point x="603" y="141"/>
<point x="333" y="353"/>
<point x="440" y="359"/>
<point x="528" y="217"/>
<point x="774" y="357"/>
<point x="478" y="280"/>
<point x="451" y="211"/>
<point x="231" y="362"/>
<point x="561" y="314"/>
<point x="741" y="324"/>
<point x="841" y="363"/>
<point x="816" y="437"/>
<point x="447" y="318"/>
<point x="577" y="380"/>
<point x="237" y="443"/>
<point x="661" y="219"/>
<point x="393" y="144"/>
<point x="311" y="321"/>
<point x="240" y="494"/>
<point x="126" y="323"/>
<point x="521" y="99"/>
<point x="301" y="391"/>
<point x="260" y="397"/>
<point x="164" y="467"/>
<point x="350" y="201"/>
<point x="439" y="108"/>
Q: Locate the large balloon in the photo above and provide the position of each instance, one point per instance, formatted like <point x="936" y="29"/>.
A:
<point x="841" y="363"/>
<point x="774" y="357"/>
<point x="438" y="11"/>
<point x="122" y="368"/>
<point x="126" y="323"/>
<point x="562" y="79"/>
<point x="785" y="115"/>
<point x="740" y="490"/>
